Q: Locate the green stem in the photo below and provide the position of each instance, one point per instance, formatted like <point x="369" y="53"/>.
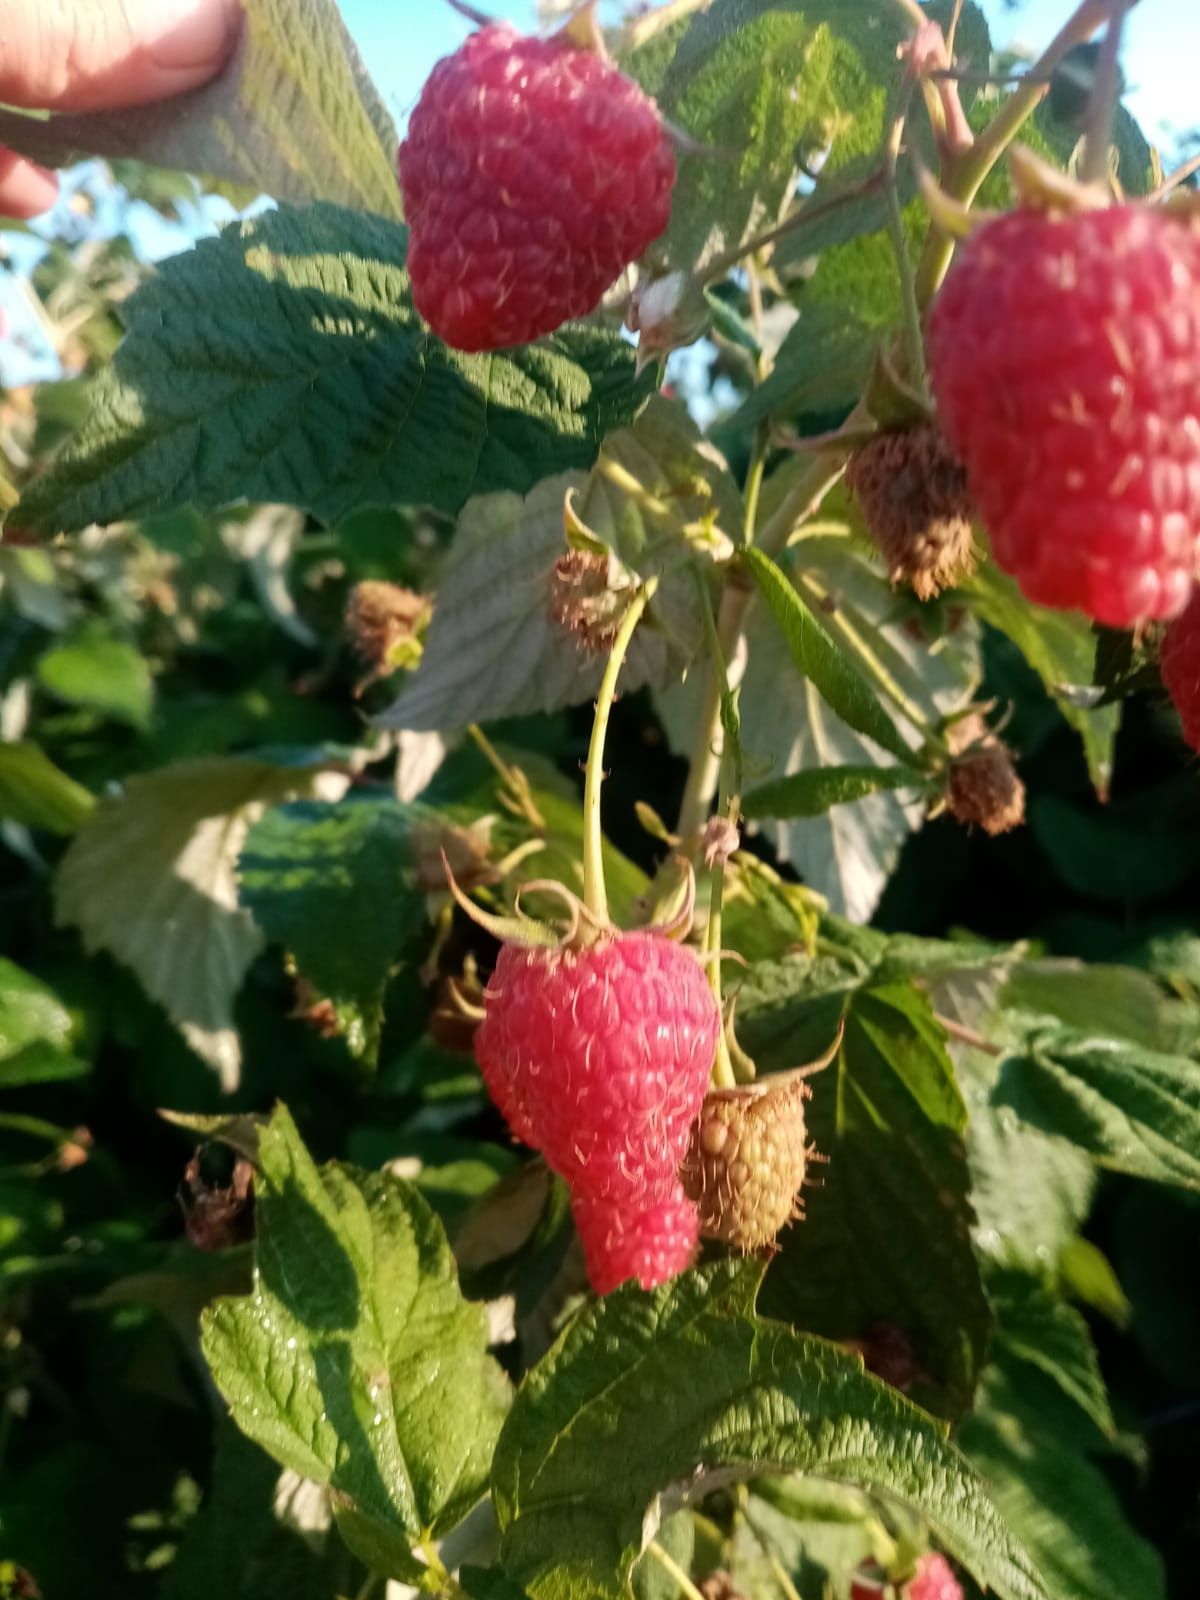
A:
<point x="594" y="895"/>
<point x="729" y="806"/>
<point x="1105" y="93"/>
<point x="967" y="174"/>
<point x="670" y="1566"/>
<point x="810" y="211"/>
<point x="754" y="478"/>
<point x="782" y="1576"/>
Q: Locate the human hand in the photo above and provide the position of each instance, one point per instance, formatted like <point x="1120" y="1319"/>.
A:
<point x="93" y="55"/>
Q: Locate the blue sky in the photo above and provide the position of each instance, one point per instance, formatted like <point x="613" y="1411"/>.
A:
<point x="401" y="39"/>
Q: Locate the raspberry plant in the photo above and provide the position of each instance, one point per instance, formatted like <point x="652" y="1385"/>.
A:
<point x="607" y="882"/>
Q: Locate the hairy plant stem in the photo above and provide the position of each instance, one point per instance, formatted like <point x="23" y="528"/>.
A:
<point x="967" y="172"/>
<point x="810" y="211"/>
<point x="914" y="341"/>
<point x="670" y="1566"/>
<point x="595" y="896"/>
<point x="1105" y="92"/>
<point x="642" y="29"/>
<point x="729" y="806"/>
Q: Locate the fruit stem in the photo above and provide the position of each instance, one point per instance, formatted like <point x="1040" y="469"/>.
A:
<point x="642" y="29"/>
<point x="729" y="806"/>
<point x="674" y="1570"/>
<point x="1093" y="168"/>
<point x="754" y="480"/>
<point x="914" y="340"/>
<point x="595" y="897"/>
<point x="967" y="173"/>
<point x="811" y="211"/>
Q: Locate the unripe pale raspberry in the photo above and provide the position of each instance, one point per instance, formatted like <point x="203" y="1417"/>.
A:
<point x="533" y="173"/>
<point x="600" y="1057"/>
<point x="1065" y="358"/>
<point x="913" y="495"/>
<point x="746" y="1162"/>
<point x="652" y="1245"/>
<point x="1179" y="662"/>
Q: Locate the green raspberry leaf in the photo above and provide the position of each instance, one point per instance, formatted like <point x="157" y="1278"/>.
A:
<point x="1036" y="1326"/>
<point x="150" y="879"/>
<point x="659" y="497"/>
<point x="1061" y="1505"/>
<point x="331" y="884"/>
<point x="811" y="793"/>
<point x="583" y="1475"/>
<point x="283" y="362"/>
<point x="884" y="1250"/>
<point x="1060" y="646"/>
<point x="96" y="669"/>
<point x="1133" y="1110"/>
<point x="819" y="659"/>
<point x="356" y="1361"/>
<point x="294" y="115"/>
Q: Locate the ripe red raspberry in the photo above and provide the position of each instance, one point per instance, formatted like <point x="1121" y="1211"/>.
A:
<point x="600" y="1058"/>
<point x="651" y="1245"/>
<point x="1179" y="662"/>
<point x="533" y="173"/>
<point x="933" y="1580"/>
<point x="1065" y="358"/>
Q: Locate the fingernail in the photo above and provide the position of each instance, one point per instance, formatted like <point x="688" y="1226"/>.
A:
<point x="192" y="37"/>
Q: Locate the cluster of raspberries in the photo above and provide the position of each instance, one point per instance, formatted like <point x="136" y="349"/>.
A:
<point x="600" y="1058"/>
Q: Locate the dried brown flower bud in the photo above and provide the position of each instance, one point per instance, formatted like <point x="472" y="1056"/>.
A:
<point x="913" y="495"/>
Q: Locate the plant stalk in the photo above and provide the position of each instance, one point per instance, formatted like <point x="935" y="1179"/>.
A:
<point x="914" y="340"/>
<point x="1105" y="94"/>
<point x="968" y="173"/>
<point x="595" y="896"/>
<point x="670" y="1566"/>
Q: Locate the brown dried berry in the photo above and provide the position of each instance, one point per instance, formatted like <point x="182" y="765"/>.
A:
<point x="217" y="1215"/>
<point x="913" y="495"/>
<point x="467" y="851"/>
<point x="720" y="1585"/>
<point x="582" y="602"/>
<point x="386" y="621"/>
<point x="983" y="786"/>
<point x="747" y="1160"/>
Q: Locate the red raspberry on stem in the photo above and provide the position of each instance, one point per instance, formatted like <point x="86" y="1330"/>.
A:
<point x="1179" y="663"/>
<point x="1064" y="353"/>
<point x="533" y="173"/>
<point x="651" y="1245"/>
<point x="933" y="1580"/>
<point x="600" y="1057"/>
